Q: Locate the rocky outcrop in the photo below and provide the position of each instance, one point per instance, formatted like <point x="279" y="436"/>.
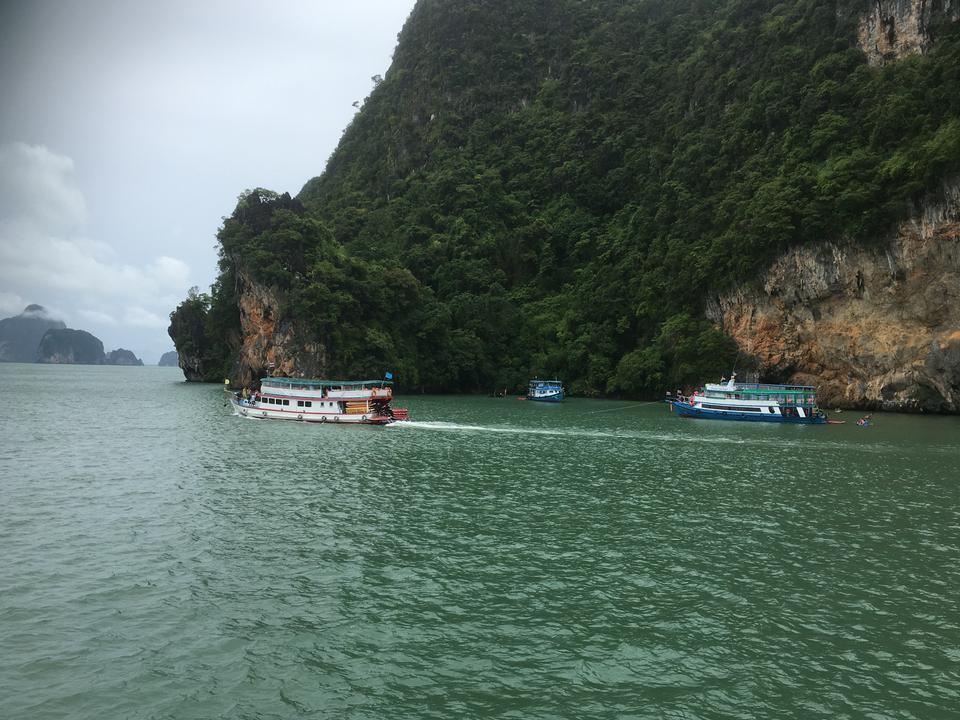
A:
<point x="188" y="332"/>
<point x="70" y="347"/>
<point x="20" y="336"/>
<point x="892" y="29"/>
<point x="272" y="345"/>
<point x="122" y="357"/>
<point x="169" y="359"/>
<point x="873" y="328"/>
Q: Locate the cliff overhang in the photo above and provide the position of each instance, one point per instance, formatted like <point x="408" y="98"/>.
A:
<point x="874" y="328"/>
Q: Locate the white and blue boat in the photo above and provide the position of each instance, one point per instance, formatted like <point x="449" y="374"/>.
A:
<point x="545" y="390"/>
<point x="336" y="401"/>
<point x="756" y="402"/>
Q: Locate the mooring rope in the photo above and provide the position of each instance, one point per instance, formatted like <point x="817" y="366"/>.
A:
<point x="624" y="407"/>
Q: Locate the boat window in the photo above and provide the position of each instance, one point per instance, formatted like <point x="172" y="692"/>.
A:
<point x="308" y="403"/>
<point x="299" y="403"/>
<point x="733" y="408"/>
<point x="286" y="402"/>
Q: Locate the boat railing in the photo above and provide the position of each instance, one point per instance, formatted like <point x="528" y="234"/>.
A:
<point x="772" y="387"/>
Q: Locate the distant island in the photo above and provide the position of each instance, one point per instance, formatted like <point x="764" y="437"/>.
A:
<point x="70" y="347"/>
<point x="20" y="336"/>
<point x="34" y="336"/>
<point x="169" y="359"/>
<point x="122" y="357"/>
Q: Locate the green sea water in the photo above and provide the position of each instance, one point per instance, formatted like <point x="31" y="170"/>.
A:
<point x="163" y="558"/>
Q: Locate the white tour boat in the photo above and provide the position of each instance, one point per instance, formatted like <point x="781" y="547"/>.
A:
<point x="323" y="401"/>
<point x="731" y="400"/>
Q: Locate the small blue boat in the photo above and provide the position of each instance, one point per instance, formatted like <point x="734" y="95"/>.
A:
<point x="545" y="390"/>
<point x="731" y="400"/>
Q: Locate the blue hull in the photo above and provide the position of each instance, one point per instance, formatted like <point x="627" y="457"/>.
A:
<point x="547" y="398"/>
<point x="687" y="410"/>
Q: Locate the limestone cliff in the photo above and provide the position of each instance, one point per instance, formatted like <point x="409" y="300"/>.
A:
<point x="270" y="343"/>
<point x="874" y="328"/>
<point x="120" y="356"/>
<point x="892" y="29"/>
<point x="70" y="347"/>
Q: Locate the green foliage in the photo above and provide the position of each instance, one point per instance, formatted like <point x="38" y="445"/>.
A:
<point x="205" y="329"/>
<point x="556" y="187"/>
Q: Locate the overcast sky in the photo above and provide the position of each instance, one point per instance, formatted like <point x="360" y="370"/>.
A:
<point x="128" y="129"/>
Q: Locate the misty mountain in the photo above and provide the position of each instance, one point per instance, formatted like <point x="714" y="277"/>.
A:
<point x="20" y="335"/>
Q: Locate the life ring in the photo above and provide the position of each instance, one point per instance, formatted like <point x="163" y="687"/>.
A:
<point x="336" y="418"/>
<point x="264" y="413"/>
<point x="300" y="417"/>
<point x="363" y="417"/>
<point x="323" y="418"/>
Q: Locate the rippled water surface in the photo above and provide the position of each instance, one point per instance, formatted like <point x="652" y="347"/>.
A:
<point x="162" y="558"/>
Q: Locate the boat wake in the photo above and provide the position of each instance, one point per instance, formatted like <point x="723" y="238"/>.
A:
<point x="458" y="427"/>
<point x="678" y="436"/>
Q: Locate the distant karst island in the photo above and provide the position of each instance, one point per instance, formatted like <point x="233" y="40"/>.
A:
<point x="34" y="336"/>
<point x="169" y="359"/>
<point x="20" y="336"/>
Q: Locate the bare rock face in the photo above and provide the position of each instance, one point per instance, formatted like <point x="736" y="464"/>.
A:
<point x="874" y="328"/>
<point x="892" y="29"/>
<point x="271" y="345"/>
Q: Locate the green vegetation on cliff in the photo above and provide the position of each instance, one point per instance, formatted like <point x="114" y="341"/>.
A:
<point x="70" y="347"/>
<point x="556" y="187"/>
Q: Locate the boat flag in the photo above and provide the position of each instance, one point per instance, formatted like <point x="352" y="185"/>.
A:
<point x="388" y="376"/>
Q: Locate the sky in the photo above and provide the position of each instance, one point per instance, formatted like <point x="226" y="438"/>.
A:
<point x="128" y="129"/>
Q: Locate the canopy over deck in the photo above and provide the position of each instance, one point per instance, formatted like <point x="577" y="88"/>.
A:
<point x="323" y="383"/>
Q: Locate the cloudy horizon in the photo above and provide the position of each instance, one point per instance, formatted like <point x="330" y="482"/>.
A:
<point x="127" y="133"/>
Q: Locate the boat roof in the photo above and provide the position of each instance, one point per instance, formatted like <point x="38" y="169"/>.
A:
<point x="759" y="388"/>
<point x="323" y="383"/>
<point x="538" y="380"/>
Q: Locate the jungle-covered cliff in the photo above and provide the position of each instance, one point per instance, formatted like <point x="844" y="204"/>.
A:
<point x="566" y="188"/>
